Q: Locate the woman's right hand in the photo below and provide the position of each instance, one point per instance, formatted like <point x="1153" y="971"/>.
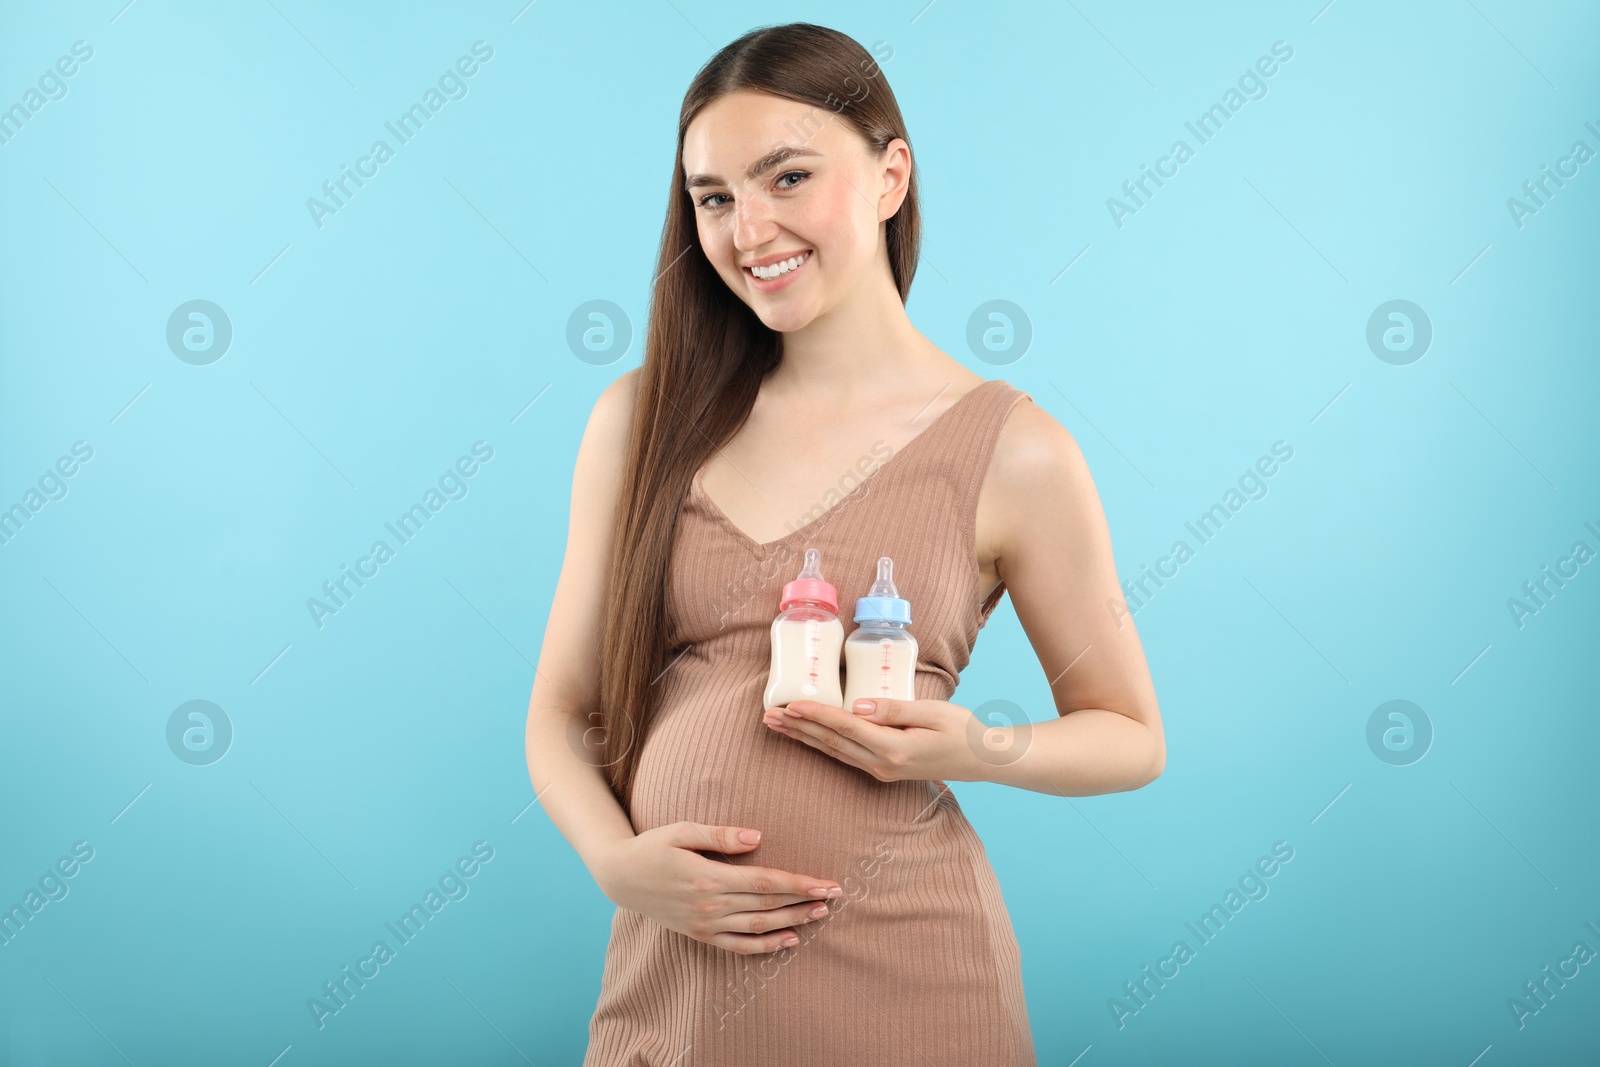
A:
<point x="747" y="910"/>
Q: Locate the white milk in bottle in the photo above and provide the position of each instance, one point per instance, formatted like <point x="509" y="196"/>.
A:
<point x="806" y="639"/>
<point x="880" y="656"/>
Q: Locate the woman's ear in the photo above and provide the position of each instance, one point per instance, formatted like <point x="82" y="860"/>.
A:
<point x="895" y="164"/>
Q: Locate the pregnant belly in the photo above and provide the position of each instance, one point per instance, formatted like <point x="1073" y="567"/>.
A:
<point x="709" y="759"/>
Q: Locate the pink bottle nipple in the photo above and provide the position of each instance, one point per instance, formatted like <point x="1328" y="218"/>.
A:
<point x="810" y="585"/>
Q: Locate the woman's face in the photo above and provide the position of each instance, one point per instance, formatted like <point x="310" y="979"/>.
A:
<point x="819" y="195"/>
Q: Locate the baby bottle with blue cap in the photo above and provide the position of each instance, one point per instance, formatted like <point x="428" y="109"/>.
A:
<point x="880" y="655"/>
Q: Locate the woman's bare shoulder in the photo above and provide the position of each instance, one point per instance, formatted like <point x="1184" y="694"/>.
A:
<point x="1036" y="464"/>
<point x="616" y="401"/>
<point x="597" y="469"/>
<point x="605" y="438"/>
<point x="1032" y="443"/>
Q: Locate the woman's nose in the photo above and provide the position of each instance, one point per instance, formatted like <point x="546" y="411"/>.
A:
<point x="752" y="221"/>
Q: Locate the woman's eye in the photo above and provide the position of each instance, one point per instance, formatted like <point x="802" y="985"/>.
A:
<point x="802" y="175"/>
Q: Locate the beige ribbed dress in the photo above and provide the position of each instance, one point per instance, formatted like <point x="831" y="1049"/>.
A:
<point x="916" y="964"/>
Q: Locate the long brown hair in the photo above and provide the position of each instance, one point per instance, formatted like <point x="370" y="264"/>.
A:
<point x="706" y="355"/>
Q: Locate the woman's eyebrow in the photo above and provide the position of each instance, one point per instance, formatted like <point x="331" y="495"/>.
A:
<point x="765" y="163"/>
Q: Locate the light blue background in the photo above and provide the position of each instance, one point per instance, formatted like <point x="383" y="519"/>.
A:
<point x="432" y="311"/>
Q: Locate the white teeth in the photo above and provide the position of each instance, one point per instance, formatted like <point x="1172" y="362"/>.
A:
<point x="782" y="267"/>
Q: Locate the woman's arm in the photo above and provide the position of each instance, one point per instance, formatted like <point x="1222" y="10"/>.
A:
<point x="565" y="703"/>
<point x="1043" y="518"/>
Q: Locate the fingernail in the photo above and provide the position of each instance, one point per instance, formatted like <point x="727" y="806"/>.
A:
<point x="789" y="942"/>
<point x="823" y="890"/>
<point x="865" y="707"/>
<point x="819" y="911"/>
<point x="750" y="837"/>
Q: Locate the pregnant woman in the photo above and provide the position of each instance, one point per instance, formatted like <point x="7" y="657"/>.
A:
<point x="798" y="886"/>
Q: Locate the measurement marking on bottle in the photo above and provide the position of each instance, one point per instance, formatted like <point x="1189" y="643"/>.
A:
<point x="813" y="656"/>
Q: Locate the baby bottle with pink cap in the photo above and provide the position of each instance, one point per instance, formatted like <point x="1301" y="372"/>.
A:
<point x="807" y="638"/>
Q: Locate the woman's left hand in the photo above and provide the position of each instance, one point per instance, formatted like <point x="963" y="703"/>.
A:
<point x="897" y="740"/>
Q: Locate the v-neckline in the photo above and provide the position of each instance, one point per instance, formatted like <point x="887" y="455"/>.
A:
<point x="763" y="546"/>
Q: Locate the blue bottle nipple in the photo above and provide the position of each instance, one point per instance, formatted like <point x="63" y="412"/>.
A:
<point x="883" y="601"/>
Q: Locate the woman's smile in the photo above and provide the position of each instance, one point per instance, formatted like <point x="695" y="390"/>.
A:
<point x="775" y="282"/>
